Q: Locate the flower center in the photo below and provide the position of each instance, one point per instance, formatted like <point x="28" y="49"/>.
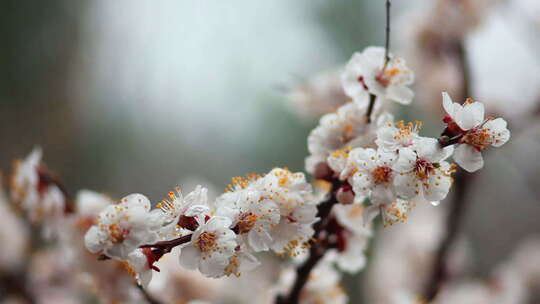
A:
<point x="206" y="242"/>
<point x="347" y="134"/>
<point x="423" y="168"/>
<point x="396" y="213"/>
<point x="240" y="182"/>
<point x="406" y="131"/>
<point x="480" y="139"/>
<point x="291" y="217"/>
<point x="246" y="221"/>
<point x="118" y="234"/>
<point x="385" y="77"/>
<point x="232" y="267"/>
<point x="381" y="174"/>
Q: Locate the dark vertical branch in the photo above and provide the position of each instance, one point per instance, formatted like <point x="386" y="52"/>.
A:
<point x="439" y="272"/>
<point x="316" y="252"/>
<point x="461" y="55"/>
<point x="16" y="284"/>
<point x="458" y="204"/>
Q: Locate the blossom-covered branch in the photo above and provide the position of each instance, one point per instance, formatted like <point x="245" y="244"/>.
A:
<point x="364" y="162"/>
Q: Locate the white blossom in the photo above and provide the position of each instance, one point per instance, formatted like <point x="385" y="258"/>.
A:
<point x="90" y="203"/>
<point x="352" y="218"/>
<point x="347" y="127"/>
<point x="33" y="189"/>
<point x="392" y="212"/>
<point x="13" y="231"/>
<point x="352" y="235"/>
<point x="422" y="169"/>
<point x="138" y="267"/>
<point x="366" y="74"/>
<point x="253" y="216"/>
<point x="477" y="133"/>
<point x="178" y="212"/>
<point x="242" y="261"/>
<point x="282" y="200"/>
<point x="297" y="207"/>
<point x="373" y="174"/>
<point x="121" y="228"/>
<point x="393" y="136"/>
<point x="211" y="247"/>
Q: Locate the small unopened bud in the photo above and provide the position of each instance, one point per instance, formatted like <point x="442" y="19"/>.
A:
<point x="322" y="171"/>
<point x="345" y="195"/>
<point x="444" y="140"/>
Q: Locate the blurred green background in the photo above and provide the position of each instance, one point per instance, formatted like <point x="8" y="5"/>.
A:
<point x="138" y="96"/>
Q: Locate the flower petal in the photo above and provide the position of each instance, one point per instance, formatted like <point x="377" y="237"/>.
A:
<point x="448" y="104"/>
<point x="468" y="158"/>
<point x="405" y="161"/>
<point x="497" y="128"/>
<point x="438" y="186"/>
<point x="407" y="186"/>
<point x="470" y="116"/>
<point x="400" y="94"/>
<point x="362" y="184"/>
<point x="189" y="257"/>
<point x="92" y="240"/>
<point x="259" y="241"/>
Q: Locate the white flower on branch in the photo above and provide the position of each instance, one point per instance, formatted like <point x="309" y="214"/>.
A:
<point x="373" y="174"/>
<point x="90" y="203"/>
<point x="274" y="211"/>
<point x="121" y="228"/>
<point x="253" y="216"/>
<point x="138" y="267"/>
<point x="179" y="212"/>
<point x="394" y="136"/>
<point x="474" y="132"/>
<point x="422" y="169"/>
<point x="367" y="74"/>
<point x="241" y="261"/>
<point x="347" y="127"/>
<point x="33" y="188"/>
<point x="297" y="207"/>
<point x="392" y="212"/>
<point x="211" y="247"/>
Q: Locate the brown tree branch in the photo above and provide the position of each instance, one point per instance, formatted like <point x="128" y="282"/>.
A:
<point x="458" y="204"/>
<point x="169" y="244"/>
<point x="317" y="250"/>
<point x="439" y="272"/>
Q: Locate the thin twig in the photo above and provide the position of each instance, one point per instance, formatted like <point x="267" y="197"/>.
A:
<point x="387" y="41"/>
<point x="371" y="105"/>
<point x="372" y="97"/>
<point x="169" y="244"/>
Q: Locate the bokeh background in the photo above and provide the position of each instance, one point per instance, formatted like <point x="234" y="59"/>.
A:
<point x="141" y="96"/>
